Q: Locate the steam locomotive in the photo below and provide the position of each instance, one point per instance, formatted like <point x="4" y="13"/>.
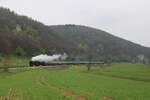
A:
<point x="38" y="63"/>
<point x="57" y="59"/>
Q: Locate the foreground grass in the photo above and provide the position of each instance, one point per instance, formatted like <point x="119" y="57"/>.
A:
<point x="117" y="82"/>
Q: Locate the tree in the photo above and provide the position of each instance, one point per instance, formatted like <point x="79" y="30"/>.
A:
<point x="89" y="67"/>
<point x="42" y="51"/>
<point x="20" y="52"/>
<point x="6" y="65"/>
<point x="83" y="48"/>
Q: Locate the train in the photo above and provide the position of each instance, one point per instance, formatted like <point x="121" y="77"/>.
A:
<point x="39" y="63"/>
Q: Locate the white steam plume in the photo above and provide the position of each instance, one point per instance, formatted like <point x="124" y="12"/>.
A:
<point x="46" y="58"/>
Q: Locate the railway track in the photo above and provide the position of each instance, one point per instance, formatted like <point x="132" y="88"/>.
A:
<point x="54" y="64"/>
<point x="38" y="63"/>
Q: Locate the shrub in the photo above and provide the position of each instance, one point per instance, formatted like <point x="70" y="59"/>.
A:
<point x="20" y="52"/>
<point x="42" y="51"/>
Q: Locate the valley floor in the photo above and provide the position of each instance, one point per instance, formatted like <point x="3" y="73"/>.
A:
<point x="116" y="82"/>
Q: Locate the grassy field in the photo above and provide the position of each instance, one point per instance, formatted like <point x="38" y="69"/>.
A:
<point x="116" y="82"/>
<point x="15" y="61"/>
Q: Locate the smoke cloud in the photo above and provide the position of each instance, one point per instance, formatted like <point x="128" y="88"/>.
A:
<point x="46" y="58"/>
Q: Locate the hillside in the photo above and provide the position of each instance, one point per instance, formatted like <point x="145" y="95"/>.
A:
<point x="99" y="43"/>
<point x="30" y="35"/>
<point x="78" y="41"/>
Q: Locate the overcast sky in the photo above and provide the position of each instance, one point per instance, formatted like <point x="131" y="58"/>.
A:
<point x="129" y="19"/>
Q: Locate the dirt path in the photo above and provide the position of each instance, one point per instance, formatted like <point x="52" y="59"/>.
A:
<point x="99" y="95"/>
<point x="83" y="77"/>
<point x="17" y="98"/>
<point x="3" y="98"/>
<point x="38" y="80"/>
<point x="14" y="95"/>
<point x="70" y="93"/>
<point x="7" y="96"/>
<point x="62" y="90"/>
<point x="9" y="93"/>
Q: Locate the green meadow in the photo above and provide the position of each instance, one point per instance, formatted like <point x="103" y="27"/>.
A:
<point x="14" y="61"/>
<point x="115" y="82"/>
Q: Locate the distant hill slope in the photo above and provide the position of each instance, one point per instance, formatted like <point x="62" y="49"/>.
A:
<point x="21" y="31"/>
<point x="84" y="42"/>
<point x="98" y="42"/>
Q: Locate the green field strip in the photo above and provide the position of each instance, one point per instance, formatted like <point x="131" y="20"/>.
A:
<point x="105" y="79"/>
<point x="43" y="80"/>
<point x="125" y="77"/>
<point x="42" y="84"/>
<point x="75" y="92"/>
<point x="26" y="95"/>
<point x="77" y="80"/>
<point x="32" y="97"/>
<point x="20" y="93"/>
<point x="18" y="96"/>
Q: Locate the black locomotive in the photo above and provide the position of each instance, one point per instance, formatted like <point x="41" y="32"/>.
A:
<point x="38" y="63"/>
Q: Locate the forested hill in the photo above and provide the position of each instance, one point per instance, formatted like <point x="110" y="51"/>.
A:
<point x="20" y="33"/>
<point x="98" y="42"/>
<point x="23" y="36"/>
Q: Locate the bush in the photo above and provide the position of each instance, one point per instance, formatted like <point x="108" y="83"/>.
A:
<point x="1" y="59"/>
<point x="42" y="51"/>
<point x="20" y="52"/>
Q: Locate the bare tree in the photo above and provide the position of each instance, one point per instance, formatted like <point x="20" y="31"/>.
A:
<point x="6" y="65"/>
<point x="89" y="67"/>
